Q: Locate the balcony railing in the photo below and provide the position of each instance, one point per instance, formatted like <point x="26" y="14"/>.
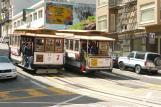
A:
<point x="120" y="3"/>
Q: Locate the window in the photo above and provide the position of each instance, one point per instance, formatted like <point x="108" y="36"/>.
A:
<point x="59" y="45"/>
<point x="71" y="45"/>
<point x="40" y="13"/>
<point x="102" y="2"/>
<point x="39" y="44"/>
<point x="15" y="24"/>
<point x="140" y="56"/>
<point x="139" y="44"/>
<point x="30" y="18"/>
<point x="35" y="16"/>
<point x="76" y="45"/>
<point x="22" y="22"/>
<point x="147" y="12"/>
<point x="67" y="44"/>
<point x="131" y="55"/>
<point x="49" y="46"/>
<point x="152" y="57"/>
<point x="18" y="23"/>
<point x="102" y="22"/>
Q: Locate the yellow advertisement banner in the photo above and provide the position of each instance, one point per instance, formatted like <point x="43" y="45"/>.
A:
<point x="59" y="14"/>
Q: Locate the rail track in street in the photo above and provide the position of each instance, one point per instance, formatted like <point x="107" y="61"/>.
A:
<point x="105" y="78"/>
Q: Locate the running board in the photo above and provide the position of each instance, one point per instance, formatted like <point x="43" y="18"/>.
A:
<point x="47" y="71"/>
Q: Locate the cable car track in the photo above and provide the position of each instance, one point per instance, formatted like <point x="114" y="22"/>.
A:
<point x="86" y="89"/>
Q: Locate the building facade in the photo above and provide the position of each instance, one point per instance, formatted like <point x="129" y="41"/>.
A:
<point x="6" y="17"/>
<point x="51" y="14"/>
<point x="39" y="14"/>
<point x="127" y="20"/>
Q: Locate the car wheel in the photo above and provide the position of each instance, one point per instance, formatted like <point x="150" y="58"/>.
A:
<point x="138" y="69"/>
<point x="122" y="66"/>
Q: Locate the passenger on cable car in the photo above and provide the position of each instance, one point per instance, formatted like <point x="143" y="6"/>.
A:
<point x="27" y="55"/>
<point x="93" y="49"/>
<point x="83" y="53"/>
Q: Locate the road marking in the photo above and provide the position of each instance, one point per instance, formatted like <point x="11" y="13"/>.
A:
<point x="75" y="98"/>
<point x="28" y="102"/>
<point x="59" y="91"/>
<point x="29" y="94"/>
<point x="5" y="95"/>
<point x="36" y="93"/>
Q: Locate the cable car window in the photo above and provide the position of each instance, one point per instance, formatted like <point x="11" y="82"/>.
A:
<point x="39" y="44"/>
<point x="59" y="45"/>
<point x="103" y="48"/>
<point x="49" y="46"/>
<point x="77" y="45"/>
<point x="67" y="44"/>
<point x="71" y="44"/>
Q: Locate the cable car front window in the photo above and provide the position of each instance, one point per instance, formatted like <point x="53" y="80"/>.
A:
<point x="59" y="45"/>
<point x="49" y="46"/>
<point x="39" y="44"/>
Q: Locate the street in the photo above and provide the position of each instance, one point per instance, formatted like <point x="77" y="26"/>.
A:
<point x="69" y="89"/>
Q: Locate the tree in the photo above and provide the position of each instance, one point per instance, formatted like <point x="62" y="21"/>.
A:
<point x="82" y="25"/>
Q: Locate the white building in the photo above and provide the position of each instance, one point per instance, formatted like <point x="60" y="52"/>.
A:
<point x="51" y="14"/>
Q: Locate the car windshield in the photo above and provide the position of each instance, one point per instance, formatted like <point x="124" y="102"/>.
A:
<point x="4" y="59"/>
<point x="151" y="57"/>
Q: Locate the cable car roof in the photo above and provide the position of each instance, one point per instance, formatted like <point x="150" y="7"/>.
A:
<point x="101" y="38"/>
<point x="77" y="34"/>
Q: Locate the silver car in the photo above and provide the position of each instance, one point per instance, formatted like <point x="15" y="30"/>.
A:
<point x="141" y="61"/>
<point x="7" y="69"/>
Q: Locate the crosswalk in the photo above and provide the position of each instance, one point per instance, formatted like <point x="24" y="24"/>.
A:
<point x="31" y="93"/>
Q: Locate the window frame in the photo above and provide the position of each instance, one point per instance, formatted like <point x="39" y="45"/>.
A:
<point x="131" y="55"/>
<point x="43" y="47"/>
<point x="140" y="54"/>
<point x="40" y="14"/>
<point x="101" y="21"/>
<point x="147" y="8"/>
<point x="47" y="45"/>
<point x="35" y="16"/>
<point x="61" y="47"/>
<point x="77" y="45"/>
<point x="102" y="2"/>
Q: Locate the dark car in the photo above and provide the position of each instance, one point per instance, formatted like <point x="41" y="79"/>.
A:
<point x="115" y="61"/>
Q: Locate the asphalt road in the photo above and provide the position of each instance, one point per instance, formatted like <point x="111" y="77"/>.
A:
<point x="25" y="92"/>
<point x="103" y="88"/>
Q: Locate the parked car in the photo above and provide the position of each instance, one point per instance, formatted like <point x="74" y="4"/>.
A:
<point x="115" y="56"/>
<point x="7" y="69"/>
<point x="141" y="61"/>
<point x="115" y="61"/>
